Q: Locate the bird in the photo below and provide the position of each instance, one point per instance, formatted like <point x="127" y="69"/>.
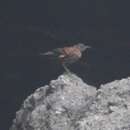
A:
<point x="68" y="54"/>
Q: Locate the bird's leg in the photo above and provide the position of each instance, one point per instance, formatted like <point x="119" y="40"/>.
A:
<point x="66" y="69"/>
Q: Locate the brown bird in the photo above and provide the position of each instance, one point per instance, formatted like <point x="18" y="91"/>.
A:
<point x="68" y="55"/>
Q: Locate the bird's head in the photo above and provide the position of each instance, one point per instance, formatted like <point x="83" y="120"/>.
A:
<point x="82" y="46"/>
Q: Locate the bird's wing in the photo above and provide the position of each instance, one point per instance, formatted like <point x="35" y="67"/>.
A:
<point x="58" y="50"/>
<point x="54" y="52"/>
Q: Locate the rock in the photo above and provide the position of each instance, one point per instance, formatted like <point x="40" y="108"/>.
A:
<point x="70" y="104"/>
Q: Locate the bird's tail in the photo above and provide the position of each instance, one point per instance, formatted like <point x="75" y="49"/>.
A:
<point x="49" y="53"/>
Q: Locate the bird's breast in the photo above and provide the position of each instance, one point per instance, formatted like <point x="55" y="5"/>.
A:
<point x="70" y="52"/>
<point x="70" y="55"/>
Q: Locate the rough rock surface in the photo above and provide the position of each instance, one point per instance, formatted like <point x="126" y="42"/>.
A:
<point x="69" y="104"/>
